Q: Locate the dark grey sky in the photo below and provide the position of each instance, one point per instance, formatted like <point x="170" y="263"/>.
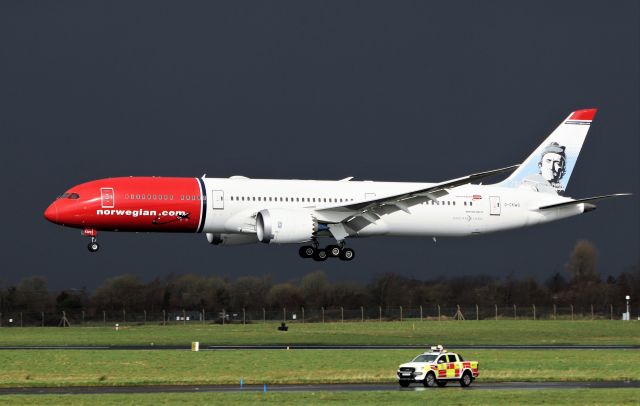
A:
<point x="396" y="90"/>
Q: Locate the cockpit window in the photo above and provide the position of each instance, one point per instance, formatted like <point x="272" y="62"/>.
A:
<point x="69" y="196"/>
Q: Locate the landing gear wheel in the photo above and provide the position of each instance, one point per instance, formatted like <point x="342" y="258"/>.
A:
<point x="466" y="379"/>
<point x="429" y="380"/>
<point x="333" y="250"/>
<point x="404" y="384"/>
<point x="441" y="384"/>
<point x="347" y="254"/>
<point x="320" y="255"/>
<point x="306" y="251"/>
<point x="93" y="246"/>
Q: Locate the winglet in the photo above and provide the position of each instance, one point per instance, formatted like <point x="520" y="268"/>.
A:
<point x="583" y="115"/>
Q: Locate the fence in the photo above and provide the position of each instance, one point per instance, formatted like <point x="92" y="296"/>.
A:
<point x="313" y="315"/>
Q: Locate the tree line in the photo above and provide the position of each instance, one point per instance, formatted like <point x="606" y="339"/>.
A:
<point x="580" y="284"/>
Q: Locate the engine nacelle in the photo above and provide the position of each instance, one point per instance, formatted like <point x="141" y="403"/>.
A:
<point x="283" y="226"/>
<point x="231" y="239"/>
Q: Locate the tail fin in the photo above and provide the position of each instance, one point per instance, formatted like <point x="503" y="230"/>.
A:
<point x="549" y="167"/>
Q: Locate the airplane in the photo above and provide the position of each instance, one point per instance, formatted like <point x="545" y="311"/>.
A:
<point x="239" y="210"/>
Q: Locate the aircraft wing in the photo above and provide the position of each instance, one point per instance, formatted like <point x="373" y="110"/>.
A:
<point x="585" y="200"/>
<point x="388" y="204"/>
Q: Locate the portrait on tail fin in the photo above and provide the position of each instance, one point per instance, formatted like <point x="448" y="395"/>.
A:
<point x="548" y="168"/>
<point x="551" y="169"/>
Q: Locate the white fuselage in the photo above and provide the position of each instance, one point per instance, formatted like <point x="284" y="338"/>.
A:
<point x="232" y="205"/>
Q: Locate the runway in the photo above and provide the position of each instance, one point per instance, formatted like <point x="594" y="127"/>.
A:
<point x="205" y="347"/>
<point x="78" y="390"/>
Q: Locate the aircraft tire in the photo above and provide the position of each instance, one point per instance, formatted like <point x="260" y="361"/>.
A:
<point x="93" y="246"/>
<point x="347" y="254"/>
<point x="333" y="250"/>
<point x="306" y="251"/>
<point x="320" y="255"/>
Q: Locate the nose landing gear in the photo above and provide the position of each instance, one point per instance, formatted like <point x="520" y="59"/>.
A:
<point x="330" y="251"/>
<point x="93" y="245"/>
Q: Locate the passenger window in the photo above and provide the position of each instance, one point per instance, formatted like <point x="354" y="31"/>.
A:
<point x="442" y="359"/>
<point x="452" y="358"/>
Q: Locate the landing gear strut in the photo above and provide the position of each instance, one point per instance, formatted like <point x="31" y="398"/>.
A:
<point x="330" y="251"/>
<point x="93" y="245"/>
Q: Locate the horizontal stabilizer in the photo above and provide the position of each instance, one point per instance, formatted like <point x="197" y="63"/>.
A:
<point x="585" y="200"/>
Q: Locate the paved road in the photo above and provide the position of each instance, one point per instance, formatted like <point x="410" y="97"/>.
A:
<point x="75" y="390"/>
<point x="205" y="347"/>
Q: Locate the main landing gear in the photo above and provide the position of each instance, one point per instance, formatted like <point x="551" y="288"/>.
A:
<point x="93" y="245"/>
<point x="321" y="254"/>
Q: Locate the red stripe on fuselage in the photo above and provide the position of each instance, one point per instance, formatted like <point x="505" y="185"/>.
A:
<point x="134" y="204"/>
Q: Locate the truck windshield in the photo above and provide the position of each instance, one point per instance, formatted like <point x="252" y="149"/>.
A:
<point x="425" y="358"/>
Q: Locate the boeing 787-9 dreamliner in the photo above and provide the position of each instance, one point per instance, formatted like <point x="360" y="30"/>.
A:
<point x="239" y="210"/>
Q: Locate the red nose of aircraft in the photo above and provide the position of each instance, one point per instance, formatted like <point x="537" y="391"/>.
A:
<point x="51" y="213"/>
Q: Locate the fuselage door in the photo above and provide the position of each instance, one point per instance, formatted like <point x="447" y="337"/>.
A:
<point x="494" y="202"/>
<point x="218" y="199"/>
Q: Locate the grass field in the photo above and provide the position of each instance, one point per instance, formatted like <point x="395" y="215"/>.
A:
<point x="446" y="396"/>
<point x="174" y="367"/>
<point x="408" y="332"/>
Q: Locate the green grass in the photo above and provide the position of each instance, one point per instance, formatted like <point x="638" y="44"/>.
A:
<point x="144" y="367"/>
<point x="597" y="332"/>
<point x="447" y="396"/>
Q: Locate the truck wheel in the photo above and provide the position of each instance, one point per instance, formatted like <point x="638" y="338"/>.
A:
<point x="465" y="380"/>
<point x="429" y="380"/>
<point x="404" y="384"/>
<point x="441" y="384"/>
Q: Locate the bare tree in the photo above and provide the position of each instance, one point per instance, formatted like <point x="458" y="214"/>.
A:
<point x="313" y="288"/>
<point x="582" y="265"/>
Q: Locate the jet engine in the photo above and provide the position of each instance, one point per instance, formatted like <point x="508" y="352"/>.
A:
<point x="282" y="226"/>
<point x="231" y="239"/>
